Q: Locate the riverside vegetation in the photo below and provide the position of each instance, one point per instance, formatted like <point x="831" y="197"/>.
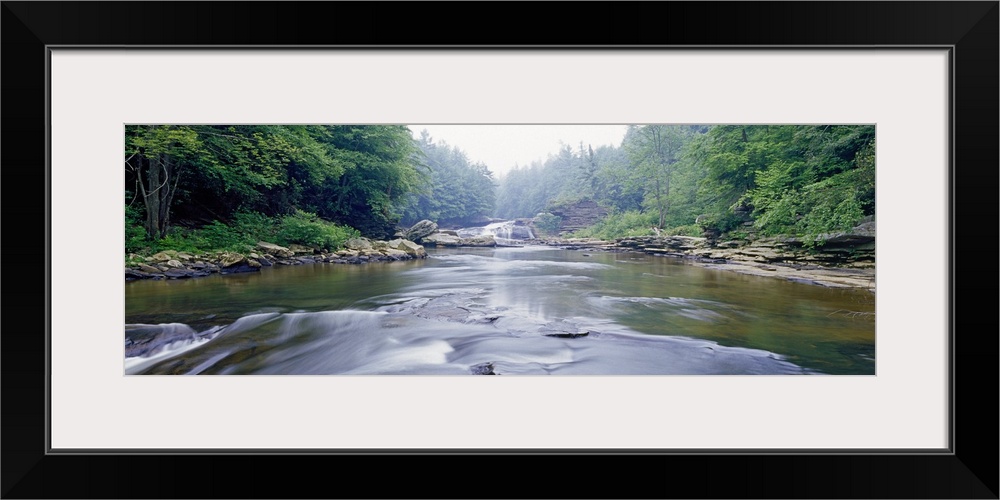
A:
<point x="627" y="259"/>
<point x="203" y="198"/>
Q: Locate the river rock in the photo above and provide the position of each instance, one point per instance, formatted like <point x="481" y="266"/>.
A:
<point x="483" y="240"/>
<point x="179" y="273"/>
<point x="300" y="249"/>
<point x="242" y="267"/>
<point x="174" y="264"/>
<point x="148" y="269"/>
<point x="132" y="274"/>
<point x="229" y="259"/>
<point x="184" y="256"/>
<point x="482" y="369"/>
<point x="161" y="256"/>
<point x="275" y="250"/>
<point x="358" y="244"/>
<point x="408" y="247"/>
<point x="442" y="239"/>
<point x="421" y="229"/>
<point x="394" y="254"/>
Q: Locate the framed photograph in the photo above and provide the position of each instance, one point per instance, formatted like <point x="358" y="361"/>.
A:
<point x="922" y="76"/>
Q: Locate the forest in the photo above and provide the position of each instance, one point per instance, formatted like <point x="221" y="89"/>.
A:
<point x="213" y="187"/>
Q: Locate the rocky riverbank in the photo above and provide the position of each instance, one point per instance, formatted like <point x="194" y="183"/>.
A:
<point x="839" y="260"/>
<point x="170" y="264"/>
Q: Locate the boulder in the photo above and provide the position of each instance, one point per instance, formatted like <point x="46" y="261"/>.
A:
<point x="358" y="244"/>
<point x="420" y="229"/>
<point x="242" y="267"/>
<point x="442" y="239"/>
<point x="483" y="240"/>
<point x="132" y="274"/>
<point x="162" y="256"/>
<point x="395" y="254"/>
<point x="174" y="264"/>
<point x="275" y="250"/>
<point x="407" y="246"/>
<point x="228" y="259"/>
<point x="148" y="269"/>
<point x="300" y="249"/>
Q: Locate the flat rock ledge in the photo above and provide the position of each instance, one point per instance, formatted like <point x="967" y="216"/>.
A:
<point x="842" y="260"/>
<point x="172" y="265"/>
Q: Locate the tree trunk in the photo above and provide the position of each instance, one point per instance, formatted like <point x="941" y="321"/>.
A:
<point x="666" y="196"/>
<point x="659" y="202"/>
<point x="167" y="192"/>
<point x="152" y="198"/>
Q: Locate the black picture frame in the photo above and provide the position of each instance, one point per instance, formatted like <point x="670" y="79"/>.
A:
<point x="969" y="470"/>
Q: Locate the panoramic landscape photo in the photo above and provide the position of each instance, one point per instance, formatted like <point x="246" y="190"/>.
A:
<point x="391" y="249"/>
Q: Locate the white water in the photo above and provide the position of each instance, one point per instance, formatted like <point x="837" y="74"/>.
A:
<point x="505" y="233"/>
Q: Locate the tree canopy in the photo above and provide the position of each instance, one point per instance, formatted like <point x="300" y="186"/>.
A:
<point x="801" y="180"/>
<point x="770" y="179"/>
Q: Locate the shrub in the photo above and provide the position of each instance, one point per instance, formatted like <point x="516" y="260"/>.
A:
<point x="219" y="236"/>
<point x="620" y="225"/>
<point x="720" y="222"/>
<point x="548" y="223"/>
<point x="305" y="228"/>
<point x="686" y="230"/>
<point x="135" y="232"/>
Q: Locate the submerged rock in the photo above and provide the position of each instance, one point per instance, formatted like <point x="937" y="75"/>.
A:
<point x="482" y="369"/>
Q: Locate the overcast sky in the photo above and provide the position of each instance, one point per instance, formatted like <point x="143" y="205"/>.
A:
<point x="501" y="147"/>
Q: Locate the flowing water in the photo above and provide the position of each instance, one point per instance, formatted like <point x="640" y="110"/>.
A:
<point x="506" y="233"/>
<point x="506" y="310"/>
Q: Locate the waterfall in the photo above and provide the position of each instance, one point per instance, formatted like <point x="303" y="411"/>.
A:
<point x="505" y="233"/>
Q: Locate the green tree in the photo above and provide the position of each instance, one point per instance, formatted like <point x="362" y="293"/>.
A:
<point x="457" y="191"/>
<point x="654" y="151"/>
<point x="156" y="158"/>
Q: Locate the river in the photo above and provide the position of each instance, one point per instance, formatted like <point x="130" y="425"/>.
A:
<point x="507" y="310"/>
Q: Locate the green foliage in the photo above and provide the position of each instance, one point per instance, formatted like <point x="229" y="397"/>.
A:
<point x="548" y="223"/>
<point x="568" y="175"/>
<point x="621" y="225"/>
<point x="455" y="189"/>
<point x="135" y="233"/>
<point x="722" y="222"/>
<point x="240" y="235"/>
<point x="226" y="187"/>
<point x="353" y="174"/>
<point x="179" y="239"/>
<point x="686" y="230"/>
<point x="307" y="229"/>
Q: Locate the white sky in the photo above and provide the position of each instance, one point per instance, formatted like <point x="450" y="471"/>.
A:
<point x="500" y="147"/>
